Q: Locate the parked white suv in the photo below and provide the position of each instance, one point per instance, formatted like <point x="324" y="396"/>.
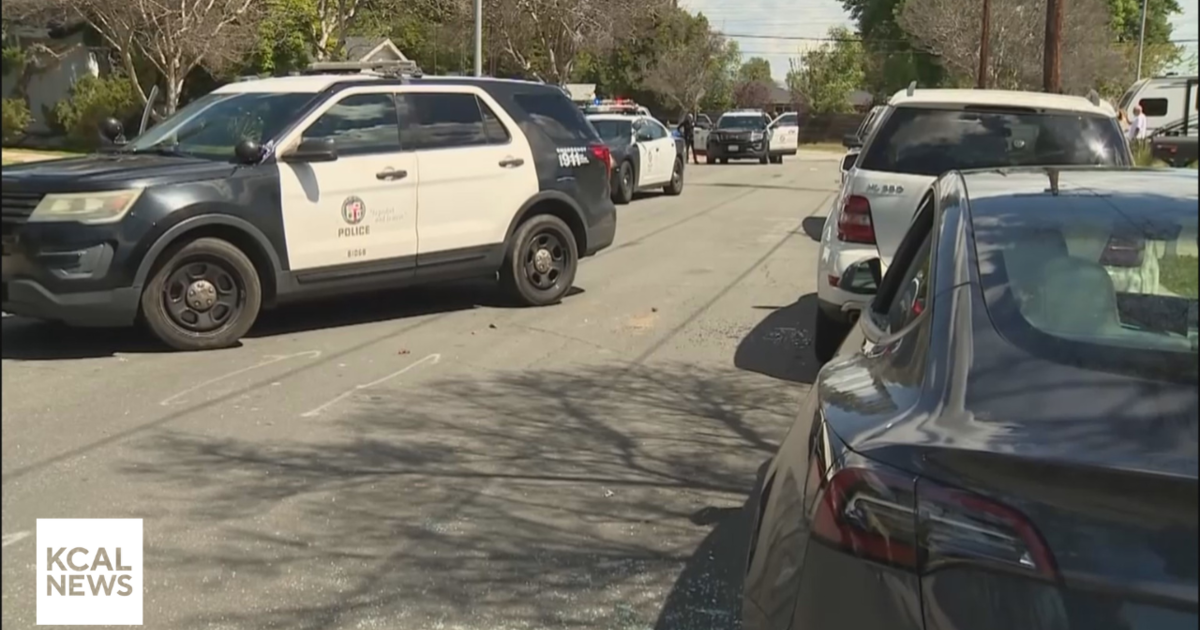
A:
<point x="917" y="137"/>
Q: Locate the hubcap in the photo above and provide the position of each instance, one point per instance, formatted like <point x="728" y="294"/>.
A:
<point x="542" y="260"/>
<point x="201" y="295"/>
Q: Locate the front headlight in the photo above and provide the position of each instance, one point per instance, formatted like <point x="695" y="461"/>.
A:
<point x="756" y="136"/>
<point x="91" y="207"/>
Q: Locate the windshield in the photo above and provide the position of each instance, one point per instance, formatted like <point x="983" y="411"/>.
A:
<point x="212" y="125"/>
<point x="1094" y="266"/>
<point x="741" y="122"/>
<point x="613" y="129"/>
<point x="918" y="141"/>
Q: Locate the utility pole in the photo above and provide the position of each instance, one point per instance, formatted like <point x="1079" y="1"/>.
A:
<point x="1142" y="39"/>
<point x="1052" y="50"/>
<point x="478" y="38"/>
<point x="985" y="46"/>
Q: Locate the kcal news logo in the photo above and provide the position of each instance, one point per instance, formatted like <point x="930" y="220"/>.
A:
<point x="89" y="571"/>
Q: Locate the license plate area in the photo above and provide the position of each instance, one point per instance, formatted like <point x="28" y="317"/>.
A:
<point x="733" y="147"/>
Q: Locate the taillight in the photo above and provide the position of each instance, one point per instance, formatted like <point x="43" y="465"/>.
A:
<point x="959" y="527"/>
<point x="885" y="516"/>
<point x="854" y="222"/>
<point x="869" y="513"/>
<point x="603" y="154"/>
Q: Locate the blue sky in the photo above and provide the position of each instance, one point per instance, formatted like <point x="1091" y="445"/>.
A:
<point x="813" y="19"/>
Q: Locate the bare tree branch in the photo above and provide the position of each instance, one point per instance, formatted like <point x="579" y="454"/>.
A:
<point x="950" y="30"/>
<point x="684" y="73"/>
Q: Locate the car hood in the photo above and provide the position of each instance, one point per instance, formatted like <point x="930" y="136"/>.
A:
<point x="115" y="169"/>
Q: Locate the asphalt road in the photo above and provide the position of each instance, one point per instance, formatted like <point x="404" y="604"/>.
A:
<point x="427" y="459"/>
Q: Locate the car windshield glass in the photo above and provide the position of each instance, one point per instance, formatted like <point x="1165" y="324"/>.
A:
<point x="919" y="141"/>
<point x="212" y="125"/>
<point x="1092" y="267"/>
<point x="613" y="129"/>
<point x="741" y="122"/>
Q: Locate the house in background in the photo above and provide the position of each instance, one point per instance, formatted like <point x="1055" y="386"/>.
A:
<point x="58" y="57"/>
<point x="372" y="49"/>
<point x="781" y="100"/>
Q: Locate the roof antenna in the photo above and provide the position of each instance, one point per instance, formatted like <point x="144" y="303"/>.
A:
<point x="912" y="87"/>
<point x="1094" y="97"/>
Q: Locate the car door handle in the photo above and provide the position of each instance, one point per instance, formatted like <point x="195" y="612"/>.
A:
<point x="390" y="174"/>
<point x="511" y="162"/>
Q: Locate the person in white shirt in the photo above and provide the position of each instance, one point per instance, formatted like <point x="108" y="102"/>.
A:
<point x="1137" y="127"/>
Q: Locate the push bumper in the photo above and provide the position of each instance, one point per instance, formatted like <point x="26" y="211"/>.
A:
<point x="99" y="309"/>
<point x="745" y="150"/>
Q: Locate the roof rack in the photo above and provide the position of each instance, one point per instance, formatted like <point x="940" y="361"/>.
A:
<point x="392" y="69"/>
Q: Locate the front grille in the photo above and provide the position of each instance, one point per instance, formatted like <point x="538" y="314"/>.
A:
<point x="15" y="208"/>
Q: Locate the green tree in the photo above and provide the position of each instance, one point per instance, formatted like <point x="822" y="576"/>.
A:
<point x="755" y="69"/>
<point x="825" y="76"/>
<point x="893" y="58"/>
<point x="1161" y="53"/>
<point x="723" y="79"/>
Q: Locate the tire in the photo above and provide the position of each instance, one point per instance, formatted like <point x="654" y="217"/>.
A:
<point x="828" y="335"/>
<point x="625" y="184"/>
<point x="522" y="279"/>
<point x="676" y="186"/>
<point x="764" y="159"/>
<point x="708" y="159"/>
<point x="209" y="321"/>
<point x="777" y="159"/>
<point x="724" y="160"/>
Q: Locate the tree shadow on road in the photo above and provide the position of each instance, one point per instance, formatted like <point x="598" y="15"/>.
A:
<point x="523" y="499"/>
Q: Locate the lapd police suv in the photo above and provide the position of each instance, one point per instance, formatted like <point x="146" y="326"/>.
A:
<point x="349" y="178"/>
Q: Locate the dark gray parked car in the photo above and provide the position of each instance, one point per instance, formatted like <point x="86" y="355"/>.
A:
<point x="1008" y="439"/>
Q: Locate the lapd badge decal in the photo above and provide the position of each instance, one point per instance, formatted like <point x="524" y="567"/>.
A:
<point x="353" y="210"/>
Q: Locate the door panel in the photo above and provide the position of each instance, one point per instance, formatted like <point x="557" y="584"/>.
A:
<point x="664" y="159"/>
<point x="477" y="167"/>
<point x="361" y="207"/>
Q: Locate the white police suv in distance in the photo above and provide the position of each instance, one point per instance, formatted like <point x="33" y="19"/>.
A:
<point x="785" y="136"/>
<point x="922" y="134"/>
<point x="739" y="135"/>
<point x="275" y="190"/>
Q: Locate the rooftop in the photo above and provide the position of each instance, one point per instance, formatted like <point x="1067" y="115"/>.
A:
<point x="1012" y="98"/>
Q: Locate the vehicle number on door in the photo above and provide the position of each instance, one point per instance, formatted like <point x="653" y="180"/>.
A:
<point x="358" y="252"/>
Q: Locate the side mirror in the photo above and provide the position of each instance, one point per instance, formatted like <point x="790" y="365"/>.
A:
<point x="862" y="278"/>
<point x="848" y="161"/>
<point x="112" y="130"/>
<point x="313" y="150"/>
<point x="248" y="151"/>
<point x="852" y="141"/>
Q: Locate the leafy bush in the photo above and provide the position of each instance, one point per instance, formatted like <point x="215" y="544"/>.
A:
<point x="16" y="118"/>
<point x="92" y="100"/>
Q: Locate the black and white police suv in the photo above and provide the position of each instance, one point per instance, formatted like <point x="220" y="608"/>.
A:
<point x="739" y="135"/>
<point x="645" y="154"/>
<point x="345" y="179"/>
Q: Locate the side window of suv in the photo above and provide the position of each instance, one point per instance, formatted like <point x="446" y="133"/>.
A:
<point x="360" y="124"/>
<point x="556" y="115"/>
<point x="447" y="120"/>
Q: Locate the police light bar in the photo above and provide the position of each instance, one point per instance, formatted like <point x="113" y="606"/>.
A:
<point x="397" y="67"/>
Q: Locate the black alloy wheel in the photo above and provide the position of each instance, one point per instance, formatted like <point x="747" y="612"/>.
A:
<point x="207" y="295"/>
<point x="540" y="266"/>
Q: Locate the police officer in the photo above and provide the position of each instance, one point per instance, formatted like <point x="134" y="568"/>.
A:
<point x="687" y="129"/>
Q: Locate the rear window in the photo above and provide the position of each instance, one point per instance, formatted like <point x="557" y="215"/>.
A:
<point x="918" y="141"/>
<point x="1094" y="278"/>
<point x="612" y="130"/>
<point x="556" y="115"/>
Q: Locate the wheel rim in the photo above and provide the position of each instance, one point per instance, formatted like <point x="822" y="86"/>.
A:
<point x="547" y="259"/>
<point x="203" y="296"/>
<point x="677" y="175"/>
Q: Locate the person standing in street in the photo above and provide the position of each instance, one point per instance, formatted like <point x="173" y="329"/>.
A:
<point x="687" y="129"/>
<point x="1137" y="127"/>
